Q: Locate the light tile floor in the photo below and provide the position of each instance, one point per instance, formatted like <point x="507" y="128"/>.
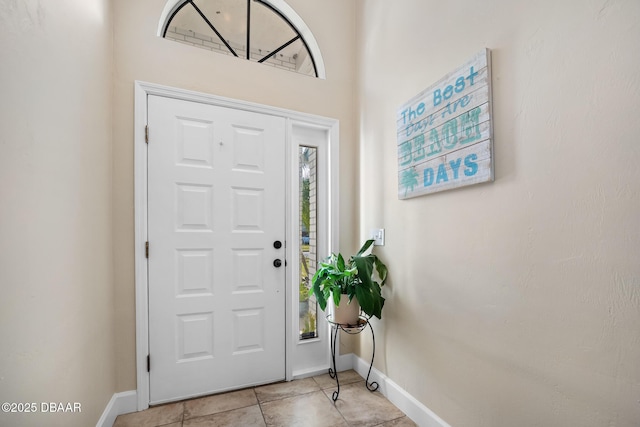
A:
<point x="303" y="403"/>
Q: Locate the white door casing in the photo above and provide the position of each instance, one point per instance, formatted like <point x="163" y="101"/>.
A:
<point x="296" y="364"/>
<point x="216" y="206"/>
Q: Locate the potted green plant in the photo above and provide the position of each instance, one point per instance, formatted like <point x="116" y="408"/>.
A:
<point x="352" y="282"/>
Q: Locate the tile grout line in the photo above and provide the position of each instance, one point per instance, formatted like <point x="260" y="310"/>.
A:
<point x="220" y="412"/>
<point x="335" y="406"/>
<point x="264" y="419"/>
<point x="287" y="397"/>
<point x="331" y="401"/>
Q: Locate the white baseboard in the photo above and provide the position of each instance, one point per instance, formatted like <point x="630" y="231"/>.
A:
<point x="120" y="403"/>
<point x="408" y="404"/>
<point x="344" y="362"/>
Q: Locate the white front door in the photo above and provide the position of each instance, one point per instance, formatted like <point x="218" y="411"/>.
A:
<point x="216" y="205"/>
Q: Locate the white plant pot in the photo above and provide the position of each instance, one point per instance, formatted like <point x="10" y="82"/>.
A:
<point x="347" y="313"/>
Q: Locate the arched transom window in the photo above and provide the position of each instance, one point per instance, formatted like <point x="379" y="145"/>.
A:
<point x="265" y="31"/>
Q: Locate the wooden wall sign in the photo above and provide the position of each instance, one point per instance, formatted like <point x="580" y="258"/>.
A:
<point x="445" y="133"/>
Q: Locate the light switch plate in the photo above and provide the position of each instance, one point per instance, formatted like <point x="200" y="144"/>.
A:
<point x="378" y="235"/>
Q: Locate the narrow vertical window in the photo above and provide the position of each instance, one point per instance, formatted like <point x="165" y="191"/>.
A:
<point x="308" y="243"/>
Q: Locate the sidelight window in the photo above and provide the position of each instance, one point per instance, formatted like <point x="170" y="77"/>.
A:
<point x="308" y="307"/>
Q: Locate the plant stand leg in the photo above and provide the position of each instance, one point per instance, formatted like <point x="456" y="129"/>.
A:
<point x="333" y="373"/>
<point x="371" y="386"/>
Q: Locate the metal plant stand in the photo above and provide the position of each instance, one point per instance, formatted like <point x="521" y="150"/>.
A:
<point x="363" y="322"/>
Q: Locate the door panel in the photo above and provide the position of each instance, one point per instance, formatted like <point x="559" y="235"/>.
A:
<point x="216" y="205"/>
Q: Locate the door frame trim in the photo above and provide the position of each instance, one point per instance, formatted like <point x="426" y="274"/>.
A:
<point x="141" y="92"/>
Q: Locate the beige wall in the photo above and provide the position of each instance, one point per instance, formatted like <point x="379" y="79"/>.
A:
<point x="56" y="264"/>
<point x="514" y="303"/>
<point x="511" y="303"/>
<point x="141" y="55"/>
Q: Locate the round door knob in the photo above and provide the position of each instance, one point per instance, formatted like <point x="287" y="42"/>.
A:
<point x="277" y="263"/>
<point x="277" y="244"/>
